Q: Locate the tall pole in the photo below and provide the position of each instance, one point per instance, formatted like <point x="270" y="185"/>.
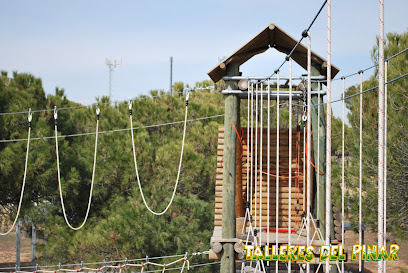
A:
<point x="33" y="242"/>
<point x="171" y="76"/>
<point x="381" y="134"/>
<point x="328" y="133"/>
<point x="18" y="245"/>
<point x="229" y="174"/>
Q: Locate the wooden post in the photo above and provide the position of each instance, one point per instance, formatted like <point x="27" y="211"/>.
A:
<point x="239" y="203"/>
<point x="319" y="125"/>
<point x="229" y="174"/>
<point x="18" y="245"/>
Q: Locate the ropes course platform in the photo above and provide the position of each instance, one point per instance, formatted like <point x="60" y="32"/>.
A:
<point x="298" y="196"/>
<point x="260" y="217"/>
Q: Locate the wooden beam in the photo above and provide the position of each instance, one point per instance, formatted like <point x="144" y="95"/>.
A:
<point x="229" y="174"/>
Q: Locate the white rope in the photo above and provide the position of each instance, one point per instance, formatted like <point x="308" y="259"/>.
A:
<point x="252" y="147"/>
<point x="381" y="82"/>
<point x="269" y="164"/>
<point x="360" y="177"/>
<point x="290" y="160"/>
<point x="179" y="168"/>
<point x="328" y="133"/>
<point x="385" y="158"/>
<point x="342" y="174"/>
<point x="277" y="171"/>
<point x="247" y="148"/>
<point x="309" y="142"/>
<point x="256" y="151"/>
<point x="260" y="168"/>
<point x="318" y="152"/>
<point x="24" y="177"/>
<point x="304" y="169"/>
<point x="59" y="172"/>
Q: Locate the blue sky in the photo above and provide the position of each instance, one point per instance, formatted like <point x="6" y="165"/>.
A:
<point x="66" y="43"/>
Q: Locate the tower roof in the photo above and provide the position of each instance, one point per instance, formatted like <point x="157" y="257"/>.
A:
<point x="271" y="37"/>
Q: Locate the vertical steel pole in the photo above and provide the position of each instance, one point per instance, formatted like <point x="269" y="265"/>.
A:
<point x="18" y="245"/>
<point x="171" y="76"/>
<point x="33" y="242"/>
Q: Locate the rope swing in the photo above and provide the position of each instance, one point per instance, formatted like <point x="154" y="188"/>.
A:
<point x="59" y="172"/>
<point x="30" y="117"/>
<point x="179" y="168"/>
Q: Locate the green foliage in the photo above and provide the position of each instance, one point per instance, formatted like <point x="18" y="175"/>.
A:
<point x="119" y="225"/>
<point x="397" y="144"/>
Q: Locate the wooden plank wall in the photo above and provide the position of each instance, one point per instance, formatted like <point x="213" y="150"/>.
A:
<point x="297" y="181"/>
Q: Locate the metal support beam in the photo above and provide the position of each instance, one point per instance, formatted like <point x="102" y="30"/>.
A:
<point x="319" y="125"/>
<point x="283" y="95"/>
<point x="33" y="242"/>
<point x="237" y="78"/>
<point x="229" y="174"/>
<point x="18" y="245"/>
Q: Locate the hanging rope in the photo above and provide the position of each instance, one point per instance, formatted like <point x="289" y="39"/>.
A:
<point x="381" y="153"/>
<point x="290" y="161"/>
<point x="385" y="157"/>
<point x="360" y="176"/>
<point x="277" y="171"/>
<point x="328" y="133"/>
<point x="30" y="117"/>
<point x="342" y="173"/>
<point x="59" y="173"/>
<point x="256" y="151"/>
<point x="309" y="142"/>
<point x="269" y="164"/>
<point x="179" y="168"/>
<point x="260" y="167"/>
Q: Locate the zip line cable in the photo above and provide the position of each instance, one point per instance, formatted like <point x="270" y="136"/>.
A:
<point x="30" y="117"/>
<point x="179" y="168"/>
<point x="287" y="57"/>
<point x="59" y="173"/>
<point x="364" y="70"/>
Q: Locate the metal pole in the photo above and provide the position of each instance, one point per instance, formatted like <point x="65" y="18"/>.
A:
<point x="18" y="245"/>
<point x="171" y="76"/>
<point x="110" y="81"/>
<point x="33" y="241"/>
<point x="229" y="175"/>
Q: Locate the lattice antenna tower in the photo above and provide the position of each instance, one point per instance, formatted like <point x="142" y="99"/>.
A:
<point x="112" y="63"/>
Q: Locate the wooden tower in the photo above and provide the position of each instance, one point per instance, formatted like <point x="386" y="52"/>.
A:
<point x="231" y="186"/>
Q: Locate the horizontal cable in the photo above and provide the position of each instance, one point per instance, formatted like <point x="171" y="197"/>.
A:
<point x="363" y="70"/>
<point x="112" y="262"/>
<point x="112" y="131"/>
<point x="106" y="103"/>
<point x="351" y="96"/>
